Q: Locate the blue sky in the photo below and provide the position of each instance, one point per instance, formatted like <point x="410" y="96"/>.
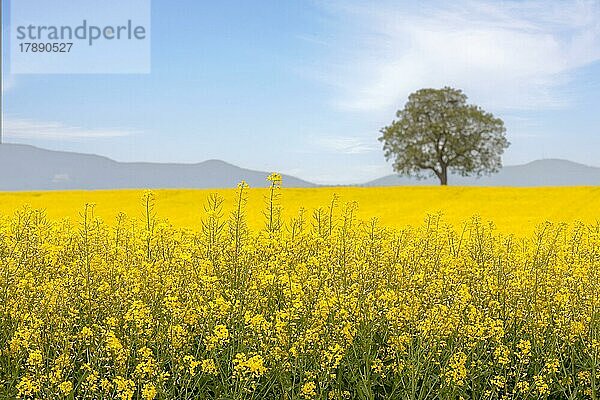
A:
<point x="303" y="87"/>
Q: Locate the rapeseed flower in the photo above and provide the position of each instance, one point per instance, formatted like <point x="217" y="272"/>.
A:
<point x="136" y="307"/>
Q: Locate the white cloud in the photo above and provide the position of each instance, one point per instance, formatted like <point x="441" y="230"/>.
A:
<point x="506" y="55"/>
<point x="344" y="145"/>
<point x="16" y="128"/>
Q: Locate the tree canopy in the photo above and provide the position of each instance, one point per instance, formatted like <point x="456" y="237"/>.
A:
<point x="437" y="132"/>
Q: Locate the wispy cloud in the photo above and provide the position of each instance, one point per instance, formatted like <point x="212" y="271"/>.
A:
<point x="16" y="128"/>
<point x="508" y="55"/>
<point x="344" y="145"/>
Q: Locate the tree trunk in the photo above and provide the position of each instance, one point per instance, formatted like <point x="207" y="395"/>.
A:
<point x="444" y="176"/>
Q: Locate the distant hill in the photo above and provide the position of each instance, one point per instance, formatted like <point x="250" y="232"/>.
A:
<point x="547" y="172"/>
<point x="24" y="167"/>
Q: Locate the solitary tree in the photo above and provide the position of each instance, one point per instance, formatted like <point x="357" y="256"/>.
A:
<point x="437" y="132"/>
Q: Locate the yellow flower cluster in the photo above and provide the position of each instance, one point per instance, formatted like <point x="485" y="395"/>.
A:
<point x="249" y="366"/>
<point x="320" y="305"/>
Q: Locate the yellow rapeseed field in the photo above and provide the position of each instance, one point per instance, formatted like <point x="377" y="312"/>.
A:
<point x="241" y="294"/>
<point x="514" y="210"/>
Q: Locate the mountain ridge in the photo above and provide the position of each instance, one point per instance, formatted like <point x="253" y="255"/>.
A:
<point x="33" y="168"/>
<point x="544" y="172"/>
